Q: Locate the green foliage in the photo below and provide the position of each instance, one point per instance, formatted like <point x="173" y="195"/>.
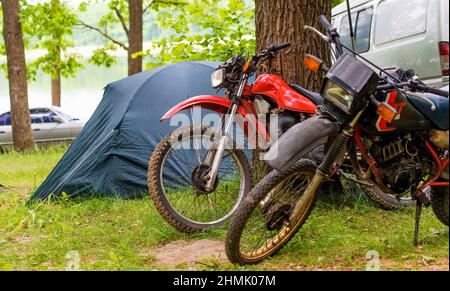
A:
<point x="31" y="70"/>
<point x="51" y="23"/>
<point x="111" y="18"/>
<point x="114" y="23"/>
<point x="205" y="30"/>
<point x="337" y="2"/>
<point x="103" y="57"/>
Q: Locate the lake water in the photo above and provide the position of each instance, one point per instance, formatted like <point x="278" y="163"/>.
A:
<point x="80" y="95"/>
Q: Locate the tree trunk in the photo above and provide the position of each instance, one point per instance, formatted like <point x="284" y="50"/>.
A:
<point x="56" y="89"/>
<point x="17" y="73"/>
<point x="135" y="36"/>
<point x="56" y="77"/>
<point x="282" y="21"/>
<point x="56" y="81"/>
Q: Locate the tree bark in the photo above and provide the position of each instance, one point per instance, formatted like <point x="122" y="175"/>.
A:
<point x="135" y="36"/>
<point x="56" y="81"/>
<point x="17" y="73"/>
<point x="56" y="77"/>
<point x="56" y="89"/>
<point x="284" y="20"/>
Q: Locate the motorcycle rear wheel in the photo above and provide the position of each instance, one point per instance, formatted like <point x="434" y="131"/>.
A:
<point x="387" y="201"/>
<point x="440" y="203"/>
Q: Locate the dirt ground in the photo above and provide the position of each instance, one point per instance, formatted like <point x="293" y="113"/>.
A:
<point x="189" y="253"/>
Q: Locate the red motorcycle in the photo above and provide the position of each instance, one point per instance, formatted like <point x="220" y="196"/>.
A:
<point x="216" y="175"/>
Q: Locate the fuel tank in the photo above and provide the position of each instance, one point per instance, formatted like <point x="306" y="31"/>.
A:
<point x="408" y="118"/>
<point x="274" y="87"/>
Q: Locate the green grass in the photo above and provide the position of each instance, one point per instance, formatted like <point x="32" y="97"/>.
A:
<point x="113" y="234"/>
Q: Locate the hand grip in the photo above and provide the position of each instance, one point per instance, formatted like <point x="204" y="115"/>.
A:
<point x="278" y="47"/>
<point x="283" y="46"/>
<point x="325" y="23"/>
<point x="438" y="92"/>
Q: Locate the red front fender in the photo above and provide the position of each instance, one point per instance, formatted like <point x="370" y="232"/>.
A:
<point x="214" y="103"/>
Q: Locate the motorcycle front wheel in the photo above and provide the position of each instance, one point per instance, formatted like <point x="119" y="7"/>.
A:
<point x="176" y="180"/>
<point x="261" y="226"/>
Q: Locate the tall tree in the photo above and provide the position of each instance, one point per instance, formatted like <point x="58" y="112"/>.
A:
<point x="284" y="20"/>
<point x="52" y="23"/>
<point x="129" y="15"/>
<point x="17" y="74"/>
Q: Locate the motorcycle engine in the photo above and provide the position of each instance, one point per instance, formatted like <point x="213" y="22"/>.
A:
<point x="400" y="165"/>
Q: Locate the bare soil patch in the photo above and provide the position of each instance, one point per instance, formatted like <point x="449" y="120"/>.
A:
<point x="189" y="253"/>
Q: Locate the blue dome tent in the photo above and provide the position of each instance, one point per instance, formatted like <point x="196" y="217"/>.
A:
<point x="111" y="154"/>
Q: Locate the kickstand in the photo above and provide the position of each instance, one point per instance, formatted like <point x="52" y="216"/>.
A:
<point x="419" y="207"/>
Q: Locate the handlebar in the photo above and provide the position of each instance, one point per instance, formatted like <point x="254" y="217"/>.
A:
<point x="325" y="23"/>
<point x="415" y="86"/>
<point x="270" y="51"/>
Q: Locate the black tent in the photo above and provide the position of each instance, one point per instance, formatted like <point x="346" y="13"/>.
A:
<point x="111" y="154"/>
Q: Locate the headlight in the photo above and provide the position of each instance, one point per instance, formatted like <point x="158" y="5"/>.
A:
<point x="338" y="96"/>
<point x="349" y="83"/>
<point x="217" y="78"/>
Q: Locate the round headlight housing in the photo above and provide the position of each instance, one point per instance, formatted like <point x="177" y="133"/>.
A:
<point x="217" y="78"/>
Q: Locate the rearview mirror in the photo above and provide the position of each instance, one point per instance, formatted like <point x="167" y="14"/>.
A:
<point x="57" y="119"/>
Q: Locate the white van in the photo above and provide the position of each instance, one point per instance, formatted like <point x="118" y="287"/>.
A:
<point x="409" y="34"/>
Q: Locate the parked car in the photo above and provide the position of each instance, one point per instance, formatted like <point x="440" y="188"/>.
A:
<point x="49" y="124"/>
<point x="410" y="34"/>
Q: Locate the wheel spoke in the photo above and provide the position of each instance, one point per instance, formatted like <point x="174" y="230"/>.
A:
<point x="188" y="201"/>
<point x="257" y="238"/>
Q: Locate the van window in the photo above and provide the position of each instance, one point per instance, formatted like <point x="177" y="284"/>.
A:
<point x="398" y="19"/>
<point x="362" y="25"/>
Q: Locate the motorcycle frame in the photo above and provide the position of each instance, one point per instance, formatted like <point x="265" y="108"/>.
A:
<point x="439" y="168"/>
<point x="271" y="87"/>
<point x="439" y="165"/>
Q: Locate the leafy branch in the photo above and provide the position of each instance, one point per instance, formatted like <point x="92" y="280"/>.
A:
<point x="104" y="34"/>
<point x="122" y="20"/>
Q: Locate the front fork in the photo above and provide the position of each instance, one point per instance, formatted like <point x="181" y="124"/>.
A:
<point x="219" y="151"/>
<point x="323" y="171"/>
<point x="210" y="179"/>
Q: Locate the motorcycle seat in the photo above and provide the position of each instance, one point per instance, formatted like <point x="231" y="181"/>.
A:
<point x="316" y="98"/>
<point x="440" y="116"/>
